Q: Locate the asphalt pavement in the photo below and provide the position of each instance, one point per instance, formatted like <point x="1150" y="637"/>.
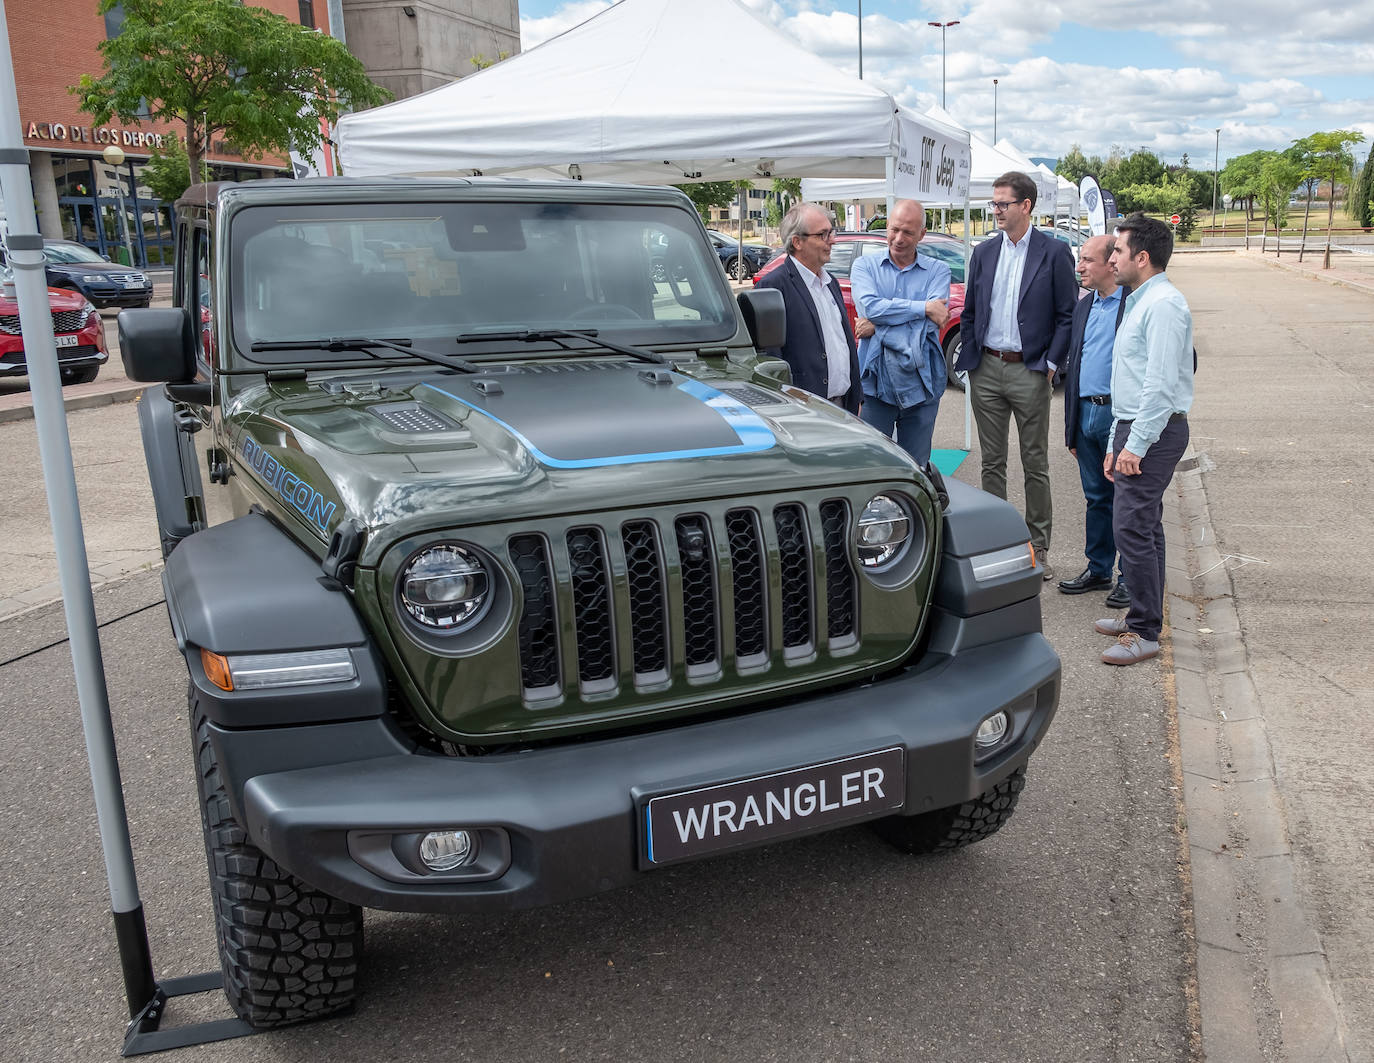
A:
<point x="1188" y="869"/>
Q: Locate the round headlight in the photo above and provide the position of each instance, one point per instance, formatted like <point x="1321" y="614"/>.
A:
<point x="445" y="587"/>
<point x="884" y="528"/>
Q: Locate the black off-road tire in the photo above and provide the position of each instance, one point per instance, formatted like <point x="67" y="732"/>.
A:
<point x="289" y="952"/>
<point x="951" y="828"/>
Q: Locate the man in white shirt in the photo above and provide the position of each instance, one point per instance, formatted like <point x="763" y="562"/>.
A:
<point x="820" y="345"/>
<point x="1018" y="311"/>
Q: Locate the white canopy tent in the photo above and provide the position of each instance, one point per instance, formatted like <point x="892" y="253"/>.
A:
<point x="1046" y="184"/>
<point x="1066" y="197"/>
<point x="645" y="91"/>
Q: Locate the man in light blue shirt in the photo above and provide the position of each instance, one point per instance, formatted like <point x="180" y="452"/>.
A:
<point x="1152" y="391"/>
<point x="901" y="366"/>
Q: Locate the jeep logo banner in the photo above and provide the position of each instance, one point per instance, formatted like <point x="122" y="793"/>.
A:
<point x="930" y="167"/>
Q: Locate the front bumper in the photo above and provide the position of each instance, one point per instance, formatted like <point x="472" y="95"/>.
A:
<point x="15" y="363"/>
<point x="571" y="812"/>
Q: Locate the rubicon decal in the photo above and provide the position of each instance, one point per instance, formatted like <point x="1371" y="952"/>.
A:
<point x="295" y="491"/>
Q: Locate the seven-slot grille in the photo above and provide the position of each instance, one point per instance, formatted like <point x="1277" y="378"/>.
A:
<point x="788" y="558"/>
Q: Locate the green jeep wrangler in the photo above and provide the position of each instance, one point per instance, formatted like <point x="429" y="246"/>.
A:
<point x="517" y="572"/>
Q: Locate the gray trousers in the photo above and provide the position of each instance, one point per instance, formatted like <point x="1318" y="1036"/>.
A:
<point x="1138" y="524"/>
<point x="999" y="391"/>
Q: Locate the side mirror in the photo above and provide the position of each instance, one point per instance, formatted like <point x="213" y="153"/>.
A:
<point x="157" y="346"/>
<point x="765" y="315"/>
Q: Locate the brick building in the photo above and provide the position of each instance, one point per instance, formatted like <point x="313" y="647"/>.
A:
<point x="406" y="47"/>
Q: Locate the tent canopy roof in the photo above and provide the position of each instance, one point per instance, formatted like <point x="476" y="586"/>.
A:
<point x="644" y="91"/>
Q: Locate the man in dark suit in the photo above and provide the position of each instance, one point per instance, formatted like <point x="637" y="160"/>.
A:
<point x="820" y="345"/>
<point x="1088" y="413"/>
<point x="1018" y="308"/>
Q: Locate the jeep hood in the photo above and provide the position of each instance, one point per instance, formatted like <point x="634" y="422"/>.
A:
<point x="405" y="452"/>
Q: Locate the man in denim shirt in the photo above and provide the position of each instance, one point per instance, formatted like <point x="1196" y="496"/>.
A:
<point x="901" y="366"/>
<point x="1152" y="391"/>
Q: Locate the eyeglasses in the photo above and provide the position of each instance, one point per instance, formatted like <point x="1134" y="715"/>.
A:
<point x="994" y="205"/>
<point x="824" y="234"/>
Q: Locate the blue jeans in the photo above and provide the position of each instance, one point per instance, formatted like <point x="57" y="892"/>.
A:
<point x="915" y="425"/>
<point x="1090" y="441"/>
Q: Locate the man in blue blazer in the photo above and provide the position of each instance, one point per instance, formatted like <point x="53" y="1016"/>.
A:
<point x="1018" y="308"/>
<point x="820" y="345"/>
<point x="1088" y="413"/>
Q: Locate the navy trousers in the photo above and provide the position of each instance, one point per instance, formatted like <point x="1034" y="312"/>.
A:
<point x="1138" y="521"/>
<point x="915" y="425"/>
<point x="1090" y="444"/>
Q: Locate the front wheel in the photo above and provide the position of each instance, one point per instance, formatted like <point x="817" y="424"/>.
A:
<point x="953" y="345"/>
<point x="289" y="952"/>
<point x="959" y="825"/>
<point x="84" y="375"/>
<point x="737" y="269"/>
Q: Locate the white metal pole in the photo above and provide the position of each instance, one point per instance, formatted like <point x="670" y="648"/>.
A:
<point x="54" y="444"/>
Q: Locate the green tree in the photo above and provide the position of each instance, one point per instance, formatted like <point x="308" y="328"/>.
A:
<point x="1141" y="168"/>
<point x="1327" y="157"/>
<point x="1240" y="178"/>
<point x="481" y="62"/>
<point x="707" y="194"/>
<point x="226" y="69"/>
<point x="1073" y="166"/>
<point x="786" y="191"/>
<point x="168" y="172"/>
<point x="1279" y="174"/>
<point x="1364" y="193"/>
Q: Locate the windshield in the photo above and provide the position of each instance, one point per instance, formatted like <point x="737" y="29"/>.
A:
<point x="71" y="253"/>
<point x="434" y="272"/>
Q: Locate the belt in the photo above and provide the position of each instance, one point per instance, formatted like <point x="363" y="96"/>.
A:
<point x="1006" y="356"/>
<point x="1097" y="400"/>
<point x="1173" y="419"/>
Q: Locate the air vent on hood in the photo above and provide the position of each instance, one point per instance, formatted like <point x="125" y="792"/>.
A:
<point x="411" y="417"/>
<point x="751" y="395"/>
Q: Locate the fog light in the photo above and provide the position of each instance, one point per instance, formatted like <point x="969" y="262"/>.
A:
<point x="992" y="730"/>
<point x="443" y="850"/>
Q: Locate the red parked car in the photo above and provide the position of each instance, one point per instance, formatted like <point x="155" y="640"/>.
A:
<point x="849" y="246"/>
<point x="76" y="326"/>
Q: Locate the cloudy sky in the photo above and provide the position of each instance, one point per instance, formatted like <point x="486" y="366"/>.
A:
<point x="1159" y="74"/>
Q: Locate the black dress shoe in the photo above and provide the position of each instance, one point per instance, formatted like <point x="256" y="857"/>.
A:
<point x="1084" y="582"/>
<point x="1120" y="598"/>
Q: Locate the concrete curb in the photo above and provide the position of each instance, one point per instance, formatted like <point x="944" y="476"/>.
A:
<point x="1342" y="279"/>
<point x="20" y="407"/>
<point x="1263" y="980"/>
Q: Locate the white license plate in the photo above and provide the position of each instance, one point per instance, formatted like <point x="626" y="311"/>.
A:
<point x="133" y="284"/>
<point x="67" y="341"/>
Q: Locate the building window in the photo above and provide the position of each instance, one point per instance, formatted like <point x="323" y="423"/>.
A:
<point x="114" y="21"/>
<point x="308" y="13"/>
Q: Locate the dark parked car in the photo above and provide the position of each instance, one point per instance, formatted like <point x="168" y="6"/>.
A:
<point x="105" y="283"/>
<point x="849" y="246"/>
<point x="76" y="326"/>
<point x="756" y="256"/>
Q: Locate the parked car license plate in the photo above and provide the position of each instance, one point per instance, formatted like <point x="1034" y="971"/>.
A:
<point x="67" y="341"/>
<point x="692" y="823"/>
<point x="133" y="284"/>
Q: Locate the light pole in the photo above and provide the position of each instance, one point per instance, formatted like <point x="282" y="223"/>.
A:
<point x="942" y="26"/>
<point x="114" y="155"/>
<point x="861" y="40"/>
<point x="1216" y="178"/>
<point x="994" y="110"/>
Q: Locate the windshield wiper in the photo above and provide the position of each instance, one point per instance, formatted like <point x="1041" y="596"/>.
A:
<point x="558" y="335"/>
<point x="364" y="343"/>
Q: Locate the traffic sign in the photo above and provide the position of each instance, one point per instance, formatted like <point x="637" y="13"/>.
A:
<point x="1175" y="219"/>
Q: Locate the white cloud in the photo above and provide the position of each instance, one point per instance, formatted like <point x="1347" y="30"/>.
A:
<point x="1166" y="77"/>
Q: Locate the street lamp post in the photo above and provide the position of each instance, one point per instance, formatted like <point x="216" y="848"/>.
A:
<point x="942" y="26"/>
<point x="1216" y="178"/>
<point x="114" y="155"/>
<point x="994" y="110"/>
<point x="861" y="40"/>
